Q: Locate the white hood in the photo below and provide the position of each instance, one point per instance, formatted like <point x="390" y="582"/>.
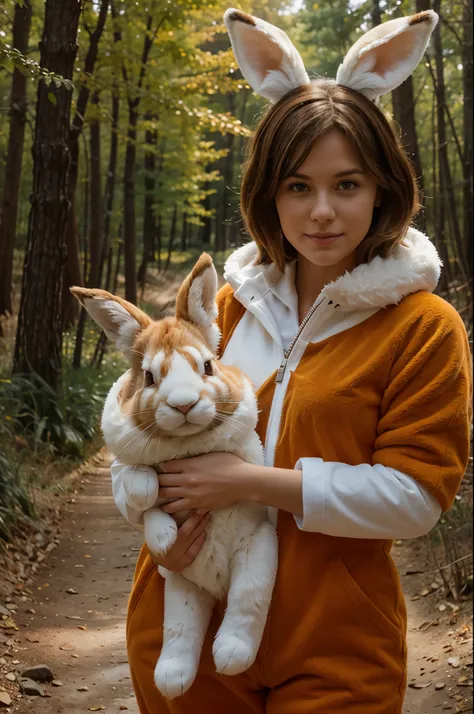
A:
<point x="384" y="281"/>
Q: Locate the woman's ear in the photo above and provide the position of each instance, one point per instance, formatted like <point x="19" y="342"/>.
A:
<point x="386" y="55"/>
<point x="265" y="54"/>
<point x="120" y="320"/>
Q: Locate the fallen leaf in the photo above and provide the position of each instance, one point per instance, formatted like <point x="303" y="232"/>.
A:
<point x="81" y="627"/>
<point x="73" y="617"/>
<point x="425" y="592"/>
<point x="415" y="597"/>
<point x="57" y="683"/>
<point x="440" y="685"/>
<point x="97" y="709"/>
<point x="5" y="699"/>
<point x="71" y="591"/>
<point x="419" y="685"/>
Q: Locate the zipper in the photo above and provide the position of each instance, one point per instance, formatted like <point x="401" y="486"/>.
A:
<point x="281" y="369"/>
<point x="281" y="380"/>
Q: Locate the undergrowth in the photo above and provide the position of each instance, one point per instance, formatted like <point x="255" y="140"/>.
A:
<point x="44" y="434"/>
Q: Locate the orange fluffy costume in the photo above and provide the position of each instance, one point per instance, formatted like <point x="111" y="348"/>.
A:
<point x="392" y="390"/>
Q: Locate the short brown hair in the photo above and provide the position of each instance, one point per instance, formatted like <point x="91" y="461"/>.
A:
<point x="283" y="140"/>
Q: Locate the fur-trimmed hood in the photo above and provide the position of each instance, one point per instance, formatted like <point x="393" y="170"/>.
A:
<point x="414" y="265"/>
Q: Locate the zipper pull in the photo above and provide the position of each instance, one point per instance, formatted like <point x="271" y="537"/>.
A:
<point x="281" y="370"/>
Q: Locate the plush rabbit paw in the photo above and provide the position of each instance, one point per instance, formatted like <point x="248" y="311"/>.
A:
<point x="232" y="654"/>
<point x="174" y="675"/>
<point x="141" y="487"/>
<point x="160" y="531"/>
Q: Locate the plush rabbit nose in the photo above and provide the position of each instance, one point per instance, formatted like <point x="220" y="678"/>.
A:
<point x="184" y="408"/>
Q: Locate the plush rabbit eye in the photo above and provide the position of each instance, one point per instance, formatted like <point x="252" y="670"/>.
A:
<point x="208" y="368"/>
<point x="149" y="379"/>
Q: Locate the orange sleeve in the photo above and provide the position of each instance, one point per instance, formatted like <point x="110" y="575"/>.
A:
<point x="424" y="427"/>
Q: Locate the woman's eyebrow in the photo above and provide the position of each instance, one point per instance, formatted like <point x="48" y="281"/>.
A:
<point x="347" y="172"/>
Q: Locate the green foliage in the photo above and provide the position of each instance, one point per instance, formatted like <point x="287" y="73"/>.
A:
<point x="11" y="58"/>
<point x="14" y="499"/>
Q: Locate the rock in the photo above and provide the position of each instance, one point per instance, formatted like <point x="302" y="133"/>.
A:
<point x="38" y="673"/>
<point x="57" y="683"/>
<point x="5" y="699"/>
<point x="27" y="686"/>
<point x="11" y="676"/>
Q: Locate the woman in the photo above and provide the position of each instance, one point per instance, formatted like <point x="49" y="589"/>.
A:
<point x="363" y="384"/>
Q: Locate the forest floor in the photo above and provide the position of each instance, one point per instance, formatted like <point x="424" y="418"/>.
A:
<point x="71" y="615"/>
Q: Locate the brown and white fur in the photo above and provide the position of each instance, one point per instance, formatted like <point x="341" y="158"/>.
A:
<point x="177" y="400"/>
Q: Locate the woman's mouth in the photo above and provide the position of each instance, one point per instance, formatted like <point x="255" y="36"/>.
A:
<point x="323" y="238"/>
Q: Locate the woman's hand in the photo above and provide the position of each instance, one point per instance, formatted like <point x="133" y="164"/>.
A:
<point x="189" y="541"/>
<point x="204" y="483"/>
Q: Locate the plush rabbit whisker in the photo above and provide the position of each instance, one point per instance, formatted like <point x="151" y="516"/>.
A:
<point x="175" y="401"/>
<point x="140" y="431"/>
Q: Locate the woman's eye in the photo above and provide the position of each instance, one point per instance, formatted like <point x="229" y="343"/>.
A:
<point x="347" y="185"/>
<point x="297" y="187"/>
<point x="208" y="368"/>
<point x="149" y="379"/>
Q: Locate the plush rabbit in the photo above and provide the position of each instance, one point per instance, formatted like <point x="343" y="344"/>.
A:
<point x="177" y="400"/>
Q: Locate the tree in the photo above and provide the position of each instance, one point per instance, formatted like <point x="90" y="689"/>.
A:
<point x="39" y="334"/>
<point x="73" y="272"/>
<point x="11" y="187"/>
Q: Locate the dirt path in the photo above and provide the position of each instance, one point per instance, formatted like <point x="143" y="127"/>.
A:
<point x="95" y="558"/>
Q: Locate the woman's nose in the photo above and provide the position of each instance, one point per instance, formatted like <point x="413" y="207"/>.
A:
<point x="321" y="209"/>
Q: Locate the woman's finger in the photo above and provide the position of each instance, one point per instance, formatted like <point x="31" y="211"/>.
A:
<point x="170" y="491"/>
<point x="196" y="532"/>
<point x="190" y="524"/>
<point x="194" y="549"/>
<point x="181" y="504"/>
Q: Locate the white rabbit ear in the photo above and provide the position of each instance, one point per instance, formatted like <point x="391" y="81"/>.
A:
<point x="268" y="60"/>
<point x="386" y="55"/>
<point x="196" y="299"/>
<point x="120" y="320"/>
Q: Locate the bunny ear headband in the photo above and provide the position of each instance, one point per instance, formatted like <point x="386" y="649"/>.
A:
<point x="377" y="63"/>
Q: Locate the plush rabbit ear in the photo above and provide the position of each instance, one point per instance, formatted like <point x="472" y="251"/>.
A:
<point x="386" y="55"/>
<point x="267" y="59"/>
<point x="196" y="299"/>
<point x="120" y="320"/>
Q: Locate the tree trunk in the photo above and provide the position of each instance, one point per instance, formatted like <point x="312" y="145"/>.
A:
<point x="92" y="227"/>
<point x="403" y="102"/>
<point x="149" y="221"/>
<point x="468" y="197"/>
<point x="96" y="206"/>
<point x="73" y="272"/>
<point x="375" y="14"/>
<point x="129" y="230"/>
<point x="206" y="228"/>
<point x="171" y="240"/>
<point x="159" y="233"/>
<point x="109" y="192"/>
<point x="184" y="233"/>
<point x="446" y="184"/>
<point x="11" y="187"/>
<point x="39" y="334"/>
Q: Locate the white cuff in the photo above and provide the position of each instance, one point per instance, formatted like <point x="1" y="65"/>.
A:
<point x="364" y="501"/>
<point x="120" y="474"/>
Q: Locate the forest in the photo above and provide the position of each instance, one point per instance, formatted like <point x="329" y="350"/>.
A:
<point x="123" y="130"/>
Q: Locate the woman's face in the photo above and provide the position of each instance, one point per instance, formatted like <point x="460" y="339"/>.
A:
<point x="326" y="207"/>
